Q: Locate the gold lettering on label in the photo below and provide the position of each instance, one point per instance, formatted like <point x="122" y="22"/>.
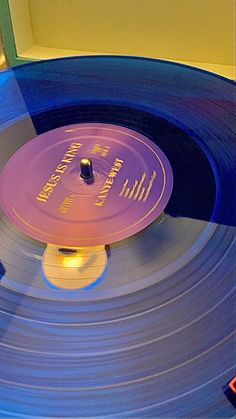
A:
<point x="138" y="190"/>
<point x="141" y="194"/>
<point x="99" y="204"/>
<point x="76" y="145"/>
<point x="109" y="182"/>
<point x="119" y="162"/>
<point x="42" y="197"/>
<point x="154" y="175"/>
<point x="66" y="204"/>
<point x="124" y="187"/>
<point x="67" y="160"/>
<point x="102" y="150"/>
<point x="61" y="168"/>
<point x="127" y="192"/>
<point x="133" y="189"/>
<point x="50" y="185"/>
<point x="140" y="185"/>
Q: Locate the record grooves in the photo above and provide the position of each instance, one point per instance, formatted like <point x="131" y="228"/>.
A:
<point x="183" y="150"/>
<point x="154" y="335"/>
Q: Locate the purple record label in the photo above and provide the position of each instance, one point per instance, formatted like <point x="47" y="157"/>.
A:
<point x="43" y="194"/>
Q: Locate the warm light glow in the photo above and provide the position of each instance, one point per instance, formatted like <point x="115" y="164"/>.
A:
<point x="3" y="63"/>
<point x="73" y="261"/>
<point x="73" y="271"/>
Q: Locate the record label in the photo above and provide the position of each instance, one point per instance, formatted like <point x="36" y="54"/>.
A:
<point x="44" y="194"/>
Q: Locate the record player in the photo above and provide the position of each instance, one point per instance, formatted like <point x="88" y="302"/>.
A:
<point x="117" y="191"/>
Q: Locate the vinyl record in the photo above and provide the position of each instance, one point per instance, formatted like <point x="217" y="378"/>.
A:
<point x="154" y="334"/>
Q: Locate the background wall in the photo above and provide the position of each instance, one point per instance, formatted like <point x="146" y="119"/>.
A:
<point x="195" y="30"/>
<point x="3" y="62"/>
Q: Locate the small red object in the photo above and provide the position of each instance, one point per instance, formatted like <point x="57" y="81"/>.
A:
<point x="232" y="385"/>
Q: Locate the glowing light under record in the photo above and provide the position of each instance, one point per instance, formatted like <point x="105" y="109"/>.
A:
<point x="74" y="271"/>
<point x="73" y="261"/>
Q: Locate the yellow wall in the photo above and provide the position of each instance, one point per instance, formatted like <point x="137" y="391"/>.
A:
<point x="195" y="30"/>
<point x="200" y="31"/>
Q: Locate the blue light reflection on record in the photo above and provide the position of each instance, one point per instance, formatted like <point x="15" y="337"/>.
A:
<point x="156" y="337"/>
